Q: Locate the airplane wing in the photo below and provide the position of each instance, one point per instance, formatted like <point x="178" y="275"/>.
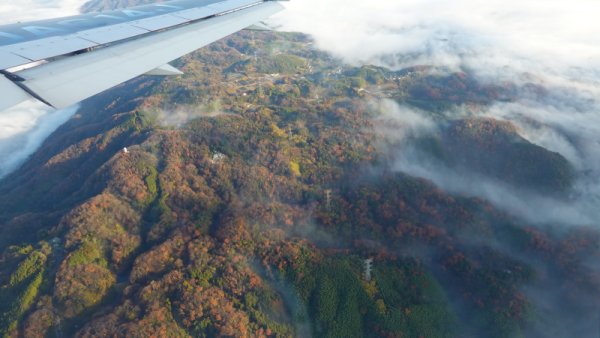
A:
<point x="63" y="61"/>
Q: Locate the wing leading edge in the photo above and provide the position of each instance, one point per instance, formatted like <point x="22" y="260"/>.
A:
<point x="60" y="70"/>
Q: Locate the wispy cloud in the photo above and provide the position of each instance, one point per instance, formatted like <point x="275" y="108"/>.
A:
<point x="181" y="114"/>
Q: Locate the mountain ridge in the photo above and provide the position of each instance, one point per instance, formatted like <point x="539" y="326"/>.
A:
<point x="257" y="222"/>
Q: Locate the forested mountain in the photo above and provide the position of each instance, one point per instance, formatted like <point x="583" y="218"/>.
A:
<point x="259" y="195"/>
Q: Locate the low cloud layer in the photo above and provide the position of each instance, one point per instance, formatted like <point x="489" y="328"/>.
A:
<point x="398" y="124"/>
<point x="23" y="128"/>
<point x="485" y="36"/>
<point x="553" y="45"/>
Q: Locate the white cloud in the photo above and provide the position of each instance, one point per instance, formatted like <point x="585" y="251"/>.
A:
<point x="25" y="127"/>
<point x="554" y="44"/>
<point x="521" y="203"/>
<point x="396" y="123"/>
<point x="29" y="10"/>
<point x="485" y="35"/>
<point x="182" y="114"/>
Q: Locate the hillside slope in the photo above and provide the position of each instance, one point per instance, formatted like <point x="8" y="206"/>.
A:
<point x="250" y="197"/>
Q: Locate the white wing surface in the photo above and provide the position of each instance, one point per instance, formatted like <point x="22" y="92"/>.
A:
<point x="63" y="61"/>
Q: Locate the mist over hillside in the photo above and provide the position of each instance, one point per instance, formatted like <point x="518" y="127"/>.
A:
<point x="287" y="184"/>
<point x="549" y="55"/>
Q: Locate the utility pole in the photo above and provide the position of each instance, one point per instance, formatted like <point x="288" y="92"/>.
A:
<point x="368" y="268"/>
<point x="260" y="88"/>
<point x="328" y="199"/>
<point x="259" y="93"/>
